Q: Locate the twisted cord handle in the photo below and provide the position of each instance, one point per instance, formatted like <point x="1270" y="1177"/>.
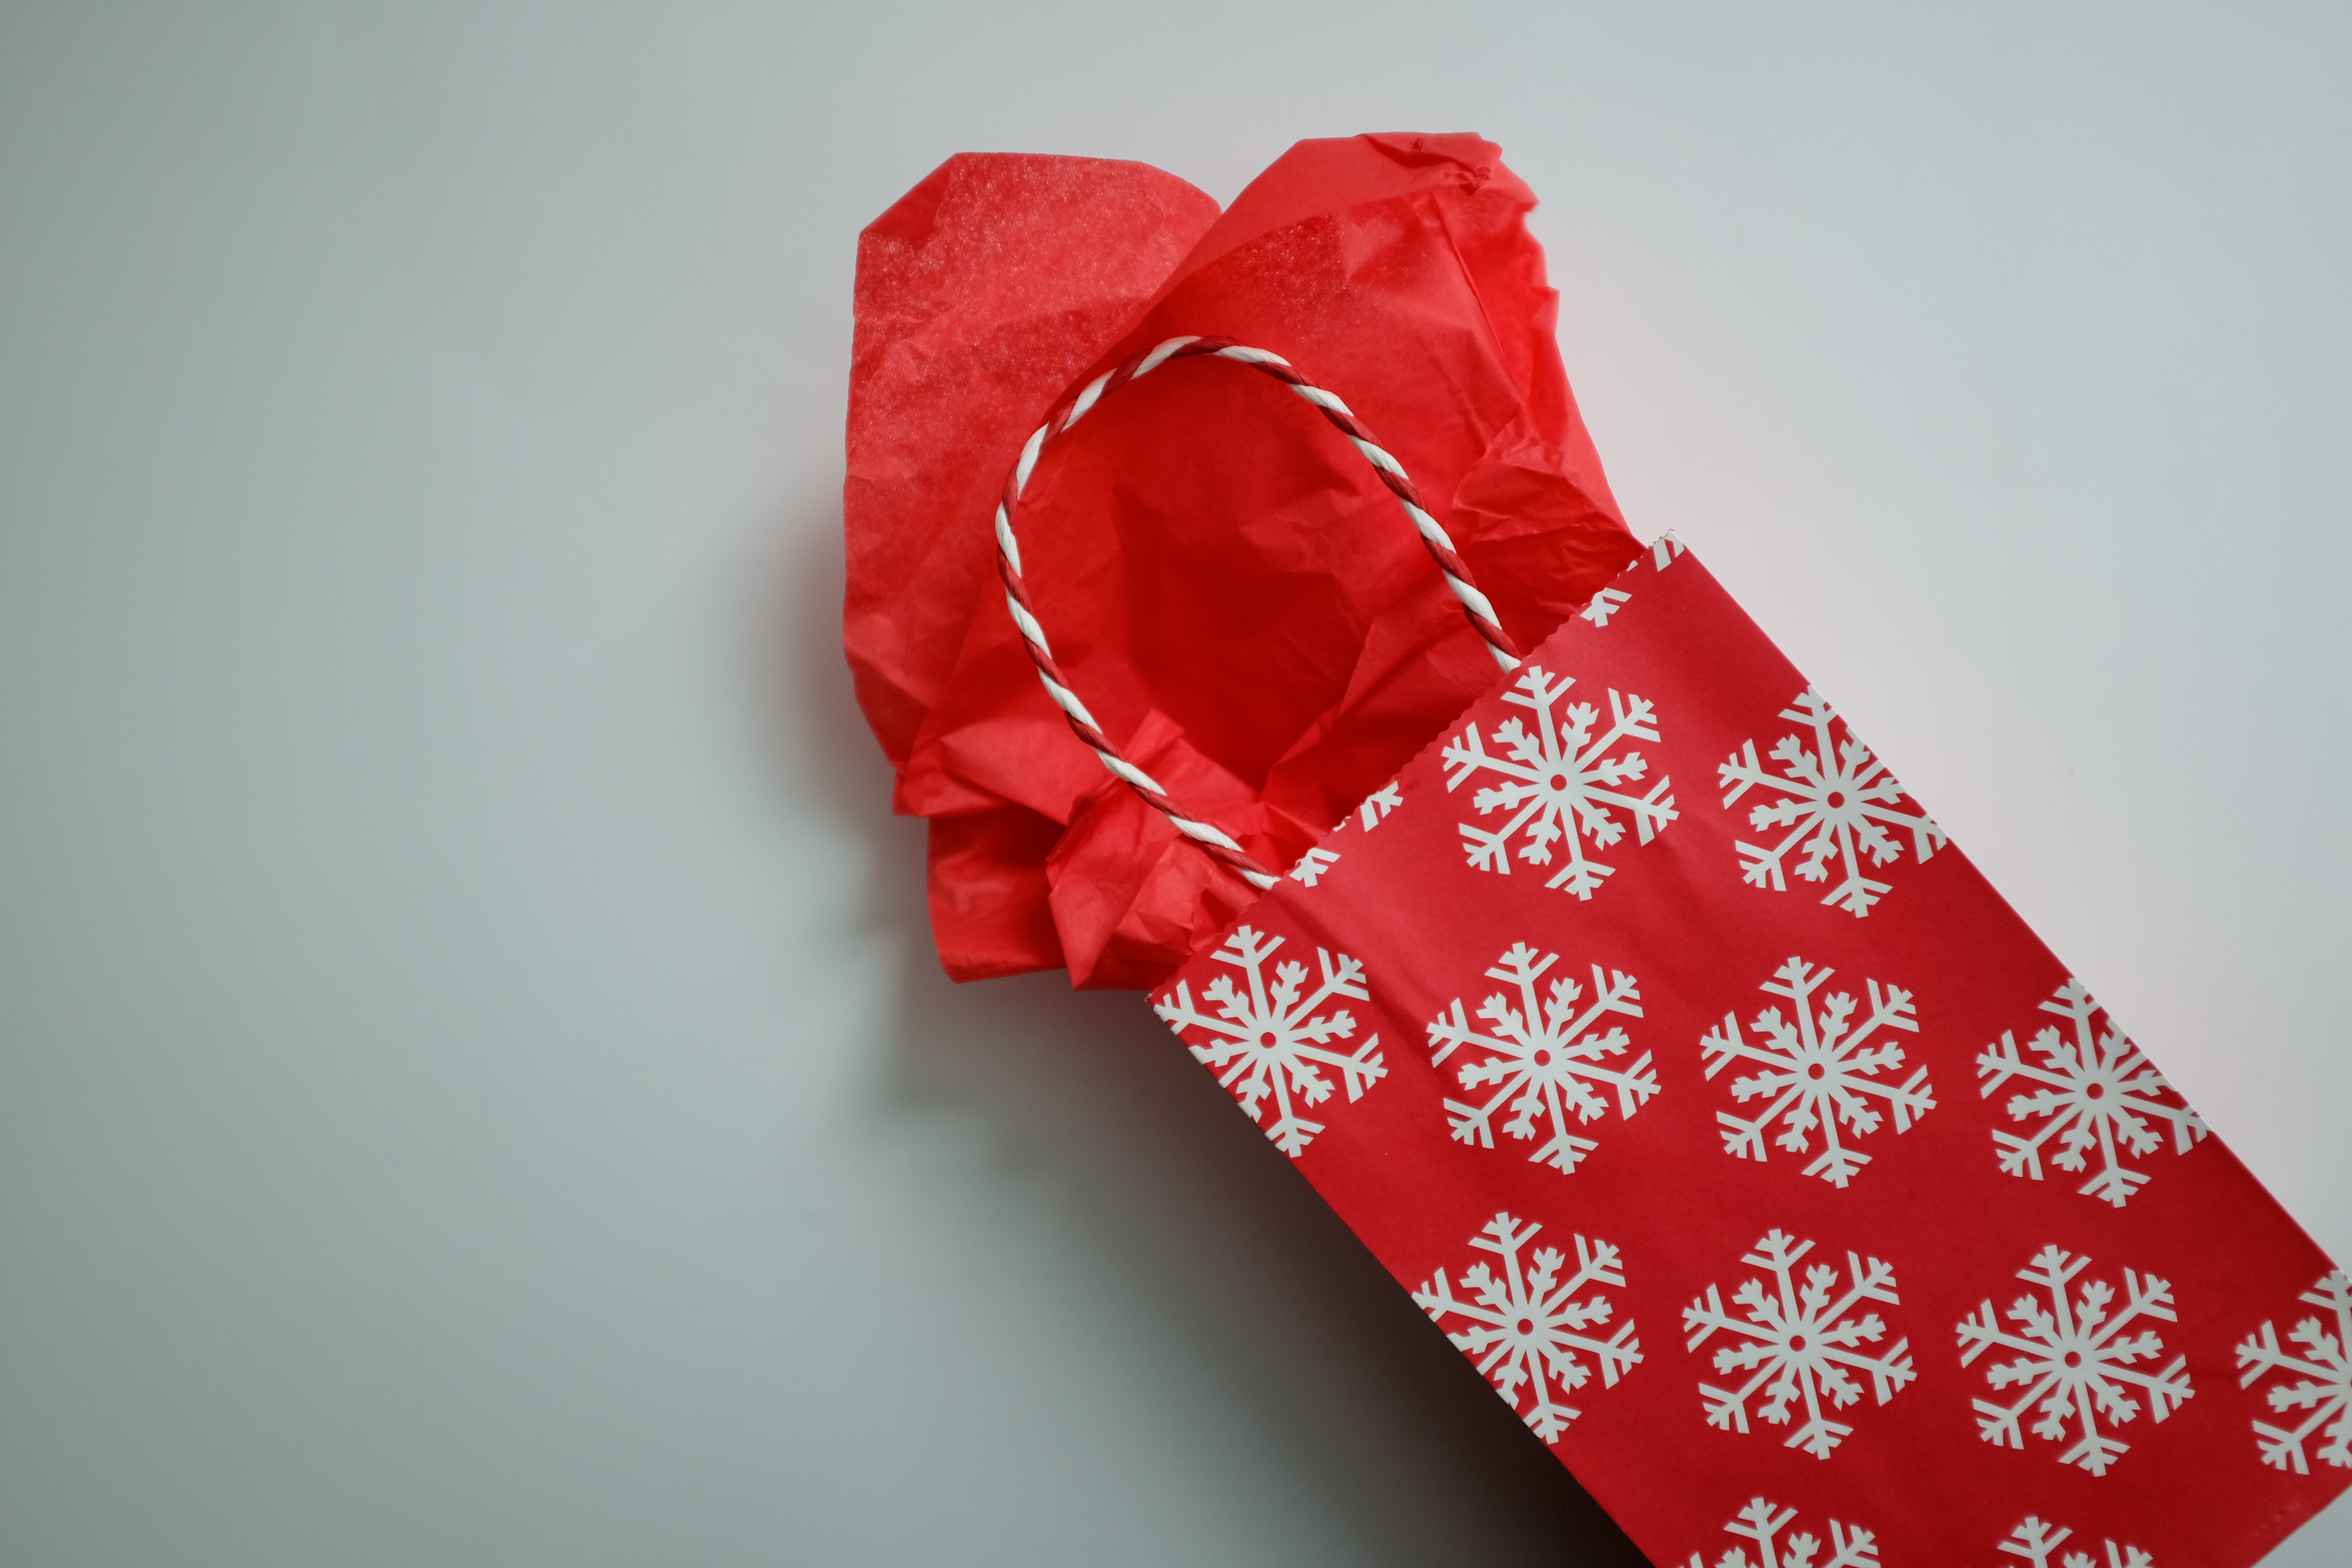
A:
<point x="1074" y="407"/>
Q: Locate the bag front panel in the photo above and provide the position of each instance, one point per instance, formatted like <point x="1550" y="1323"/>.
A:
<point x="1758" y="1154"/>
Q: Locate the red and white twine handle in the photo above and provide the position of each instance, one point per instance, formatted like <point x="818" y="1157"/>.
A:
<point x="1073" y="408"/>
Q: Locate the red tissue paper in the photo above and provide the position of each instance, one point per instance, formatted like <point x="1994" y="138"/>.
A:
<point x="1230" y="589"/>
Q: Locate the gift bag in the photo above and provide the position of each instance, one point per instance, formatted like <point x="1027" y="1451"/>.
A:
<point x="1738" y="1130"/>
<point x="1709" y="1100"/>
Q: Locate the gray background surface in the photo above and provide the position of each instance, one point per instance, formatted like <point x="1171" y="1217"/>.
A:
<point x="475" y="1087"/>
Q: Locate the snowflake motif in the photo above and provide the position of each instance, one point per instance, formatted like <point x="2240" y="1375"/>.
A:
<point x="1817" y="1074"/>
<point x="2076" y="1363"/>
<point x="2099" y="1092"/>
<point x="2326" y="1362"/>
<point x="1539" y="1065"/>
<point x="1800" y="1342"/>
<point x="1312" y="865"/>
<point x="2037" y="1540"/>
<point x="1524" y="1325"/>
<point x="1843" y="800"/>
<point x="1560" y="782"/>
<point x="1269" y="1041"/>
<point x="1849" y="1547"/>
<point x="1667" y="548"/>
<point x="1604" y="604"/>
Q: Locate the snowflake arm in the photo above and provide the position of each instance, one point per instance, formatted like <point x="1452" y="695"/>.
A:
<point x="1312" y="865"/>
<point x="2325" y="1364"/>
<point x="1851" y="1546"/>
<point x="2037" y="1540"/>
<point x="1604" y="605"/>
<point x="1378" y="805"/>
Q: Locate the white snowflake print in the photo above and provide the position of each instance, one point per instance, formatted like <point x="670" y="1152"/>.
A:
<point x="1312" y="865"/>
<point x="2077" y="1363"/>
<point x="1377" y="804"/>
<point x="1559" y="781"/>
<point x="1524" y="1326"/>
<point x="1800" y="1343"/>
<point x="1666" y="547"/>
<point x="1544" y="1057"/>
<point x="1840" y="802"/>
<point x="1271" y="1042"/>
<point x="2037" y="1541"/>
<point x="1815" y="1072"/>
<point x="2096" y="1091"/>
<point x="1851" y="1546"/>
<point x="2325" y="1367"/>
<point x="1604" y="605"/>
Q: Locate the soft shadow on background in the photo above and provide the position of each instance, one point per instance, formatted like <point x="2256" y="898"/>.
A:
<point x="1254" y="1292"/>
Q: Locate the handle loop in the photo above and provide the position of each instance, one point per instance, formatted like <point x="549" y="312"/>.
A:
<point x="1073" y="408"/>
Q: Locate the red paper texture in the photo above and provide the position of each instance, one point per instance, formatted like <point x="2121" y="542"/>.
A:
<point x="1239" y="602"/>
<point x="1751" y="1145"/>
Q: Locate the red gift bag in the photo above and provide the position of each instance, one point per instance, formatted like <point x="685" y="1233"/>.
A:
<point x="1718" y="1110"/>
